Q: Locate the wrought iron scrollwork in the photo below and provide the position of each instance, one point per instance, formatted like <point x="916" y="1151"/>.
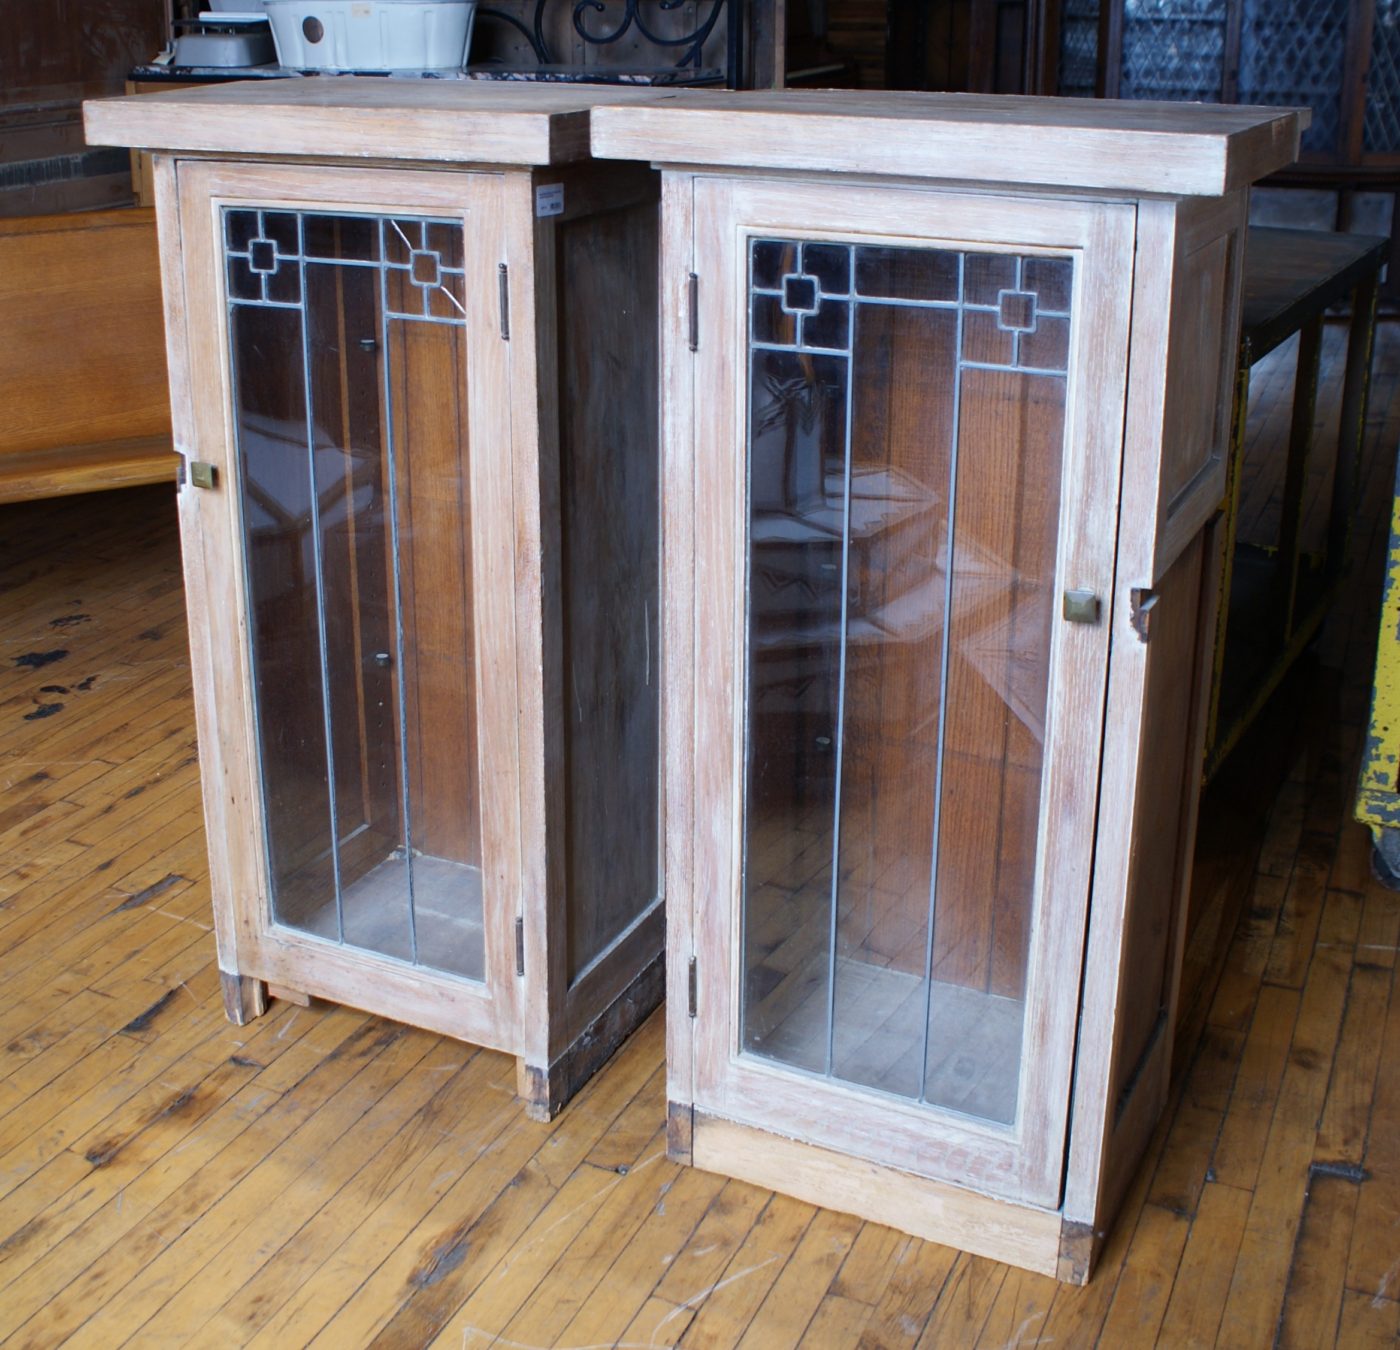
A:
<point x="534" y="34"/>
<point x="692" y="43"/>
<point x="688" y="45"/>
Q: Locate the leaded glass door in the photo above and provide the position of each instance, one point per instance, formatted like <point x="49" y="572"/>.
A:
<point x="906" y="397"/>
<point x="361" y="445"/>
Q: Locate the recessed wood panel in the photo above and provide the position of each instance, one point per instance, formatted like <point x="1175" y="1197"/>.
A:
<point x="1195" y="426"/>
<point x="610" y="573"/>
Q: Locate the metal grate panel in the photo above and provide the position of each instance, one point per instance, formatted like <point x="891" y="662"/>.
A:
<point x="1292" y="54"/>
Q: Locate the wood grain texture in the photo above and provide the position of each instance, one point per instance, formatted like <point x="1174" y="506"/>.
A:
<point x="610" y="554"/>
<point x="1025" y="1159"/>
<point x="1180" y="149"/>
<point x="972" y="1221"/>
<point x="118" y="1140"/>
<point x="361" y="118"/>
<point x="82" y="368"/>
<point x="390" y="663"/>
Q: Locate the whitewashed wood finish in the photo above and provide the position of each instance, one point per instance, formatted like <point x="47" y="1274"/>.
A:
<point x="1170" y="148"/>
<point x="1149" y="540"/>
<point x="1025" y="1161"/>
<point x="362" y="117"/>
<point x="250" y="945"/>
<point x="195" y="530"/>
<point x="1176" y="396"/>
<point x="222" y="686"/>
<point x="1198" y="402"/>
<point x="1152" y="279"/>
<point x="679" y="427"/>
<point x="512" y="396"/>
<point x="534" y="451"/>
<point x="936" y="1211"/>
<point x="1115" y="1125"/>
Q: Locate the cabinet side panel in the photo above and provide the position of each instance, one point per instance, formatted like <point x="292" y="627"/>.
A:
<point x="1201" y="358"/>
<point x="1167" y="775"/>
<point x="610" y="554"/>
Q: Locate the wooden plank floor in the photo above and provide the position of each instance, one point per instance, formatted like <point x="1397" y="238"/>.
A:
<point x="325" y="1177"/>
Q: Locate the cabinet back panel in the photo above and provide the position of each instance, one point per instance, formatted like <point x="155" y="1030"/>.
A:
<point x="281" y="578"/>
<point x="342" y="310"/>
<point x="610" y="566"/>
<point x="429" y="412"/>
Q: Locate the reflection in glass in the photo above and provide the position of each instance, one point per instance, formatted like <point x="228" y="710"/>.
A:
<point x="906" y="415"/>
<point x="348" y="347"/>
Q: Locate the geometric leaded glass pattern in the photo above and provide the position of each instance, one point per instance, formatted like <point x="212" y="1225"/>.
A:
<point x="1292" y="54"/>
<point x="267" y="252"/>
<point x="347" y="345"/>
<point x="1173" y="49"/>
<point x="906" y="416"/>
<point x="1013" y="310"/>
<point x="1382" y="125"/>
<point x="1079" y="48"/>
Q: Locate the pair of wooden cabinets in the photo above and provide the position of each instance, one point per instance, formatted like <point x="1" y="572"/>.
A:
<point x="918" y="682"/>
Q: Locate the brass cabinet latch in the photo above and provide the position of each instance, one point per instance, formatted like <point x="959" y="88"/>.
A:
<point x="1081" y="607"/>
<point x="202" y="474"/>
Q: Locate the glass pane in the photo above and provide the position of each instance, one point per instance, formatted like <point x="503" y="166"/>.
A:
<point x="352" y="441"/>
<point x="1293" y="53"/>
<point x="1173" y="49"/>
<point x="1079" y="48"/>
<point x="903" y="515"/>
<point x="1382" y="125"/>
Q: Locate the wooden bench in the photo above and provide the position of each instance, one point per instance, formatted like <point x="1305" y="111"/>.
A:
<point x="84" y="403"/>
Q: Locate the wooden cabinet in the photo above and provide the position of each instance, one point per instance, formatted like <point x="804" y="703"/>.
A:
<point x="421" y="551"/>
<point x="946" y="397"/>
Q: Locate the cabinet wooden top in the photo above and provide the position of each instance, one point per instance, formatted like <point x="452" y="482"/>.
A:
<point x="349" y="117"/>
<point x="1172" y="149"/>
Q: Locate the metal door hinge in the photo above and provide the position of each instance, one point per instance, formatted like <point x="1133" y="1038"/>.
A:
<point x="503" y="286"/>
<point x="202" y="475"/>
<point x="693" y="299"/>
<point x="520" y="946"/>
<point x="692" y="987"/>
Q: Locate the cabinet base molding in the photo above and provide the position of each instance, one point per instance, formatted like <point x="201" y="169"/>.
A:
<point x="244" y="997"/>
<point x="281" y="991"/>
<point x="1021" y="1235"/>
<point x="546" y="1092"/>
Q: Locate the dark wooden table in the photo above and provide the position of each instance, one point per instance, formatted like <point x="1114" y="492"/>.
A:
<point x="1275" y="595"/>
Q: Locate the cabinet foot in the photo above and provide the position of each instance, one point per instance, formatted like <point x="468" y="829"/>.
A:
<point x="1079" y="1249"/>
<point x="244" y="998"/>
<point x="680" y="1133"/>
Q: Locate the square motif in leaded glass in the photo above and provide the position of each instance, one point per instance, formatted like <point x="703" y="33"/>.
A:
<point x="240" y="229"/>
<point x="830" y="264"/>
<point x="772" y="259"/>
